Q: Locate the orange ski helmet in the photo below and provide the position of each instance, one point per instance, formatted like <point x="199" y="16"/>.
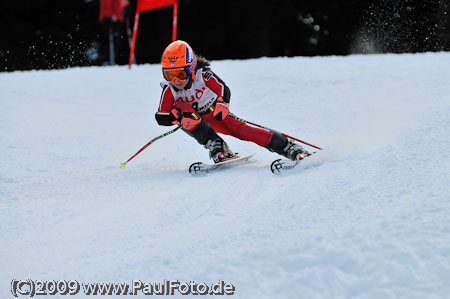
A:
<point x="178" y="62"/>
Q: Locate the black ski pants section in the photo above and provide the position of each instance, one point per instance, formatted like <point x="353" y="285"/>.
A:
<point x="277" y="144"/>
<point x="203" y="133"/>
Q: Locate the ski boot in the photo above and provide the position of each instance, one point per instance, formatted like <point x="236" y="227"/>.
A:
<point x="219" y="150"/>
<point x="295" y="152"/>
<point x="286" y="147"/>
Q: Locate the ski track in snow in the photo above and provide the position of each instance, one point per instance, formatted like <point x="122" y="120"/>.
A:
<point x="369" y="217"/>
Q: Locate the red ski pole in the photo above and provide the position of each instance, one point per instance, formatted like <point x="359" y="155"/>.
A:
<point x="122" y="165"/>
<point x="268" y="129"/>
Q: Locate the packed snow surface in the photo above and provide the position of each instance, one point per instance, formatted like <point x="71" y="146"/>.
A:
<point x="367" y="217"/>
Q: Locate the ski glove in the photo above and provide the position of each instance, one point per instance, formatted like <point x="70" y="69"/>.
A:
<point x="175" y="115"/>
<point x="188" y="120"/>
<point x="221" y="109"/>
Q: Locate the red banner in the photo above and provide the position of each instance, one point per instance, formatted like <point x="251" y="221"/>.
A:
<point x="144" y="5"/>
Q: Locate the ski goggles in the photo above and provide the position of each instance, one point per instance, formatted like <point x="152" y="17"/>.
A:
<point x="179" y="74"/>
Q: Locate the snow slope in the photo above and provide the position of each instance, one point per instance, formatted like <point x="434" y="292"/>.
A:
<point x="371" y="219"/>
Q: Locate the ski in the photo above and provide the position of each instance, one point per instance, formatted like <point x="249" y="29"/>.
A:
<point x="280" y="166"/>
<point x="199" y="168"/>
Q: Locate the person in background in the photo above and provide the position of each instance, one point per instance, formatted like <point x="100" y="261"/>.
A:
<point x="112" y="17"/>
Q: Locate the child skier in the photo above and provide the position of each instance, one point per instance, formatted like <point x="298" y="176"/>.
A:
<point x="198" y="100"/>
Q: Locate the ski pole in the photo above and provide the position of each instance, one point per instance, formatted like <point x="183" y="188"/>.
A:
<point x="268" y="129"/>
<point x="122" y="165"/>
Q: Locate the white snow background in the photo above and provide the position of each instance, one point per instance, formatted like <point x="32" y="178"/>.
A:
<point x="369" y="217"/>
